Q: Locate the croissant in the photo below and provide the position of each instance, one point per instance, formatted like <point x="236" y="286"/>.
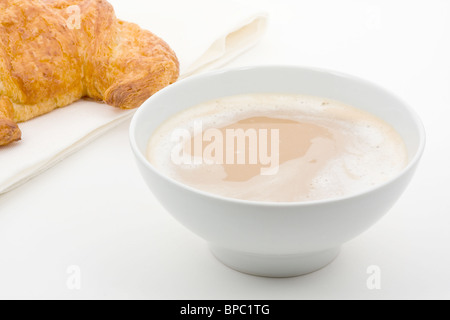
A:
<point x="54" y="52"/>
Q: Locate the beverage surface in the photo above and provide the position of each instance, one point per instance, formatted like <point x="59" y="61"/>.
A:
<point x="277" y="148"/>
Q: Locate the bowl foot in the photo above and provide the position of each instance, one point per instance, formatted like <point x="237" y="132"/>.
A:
<point x="275" y="266"/>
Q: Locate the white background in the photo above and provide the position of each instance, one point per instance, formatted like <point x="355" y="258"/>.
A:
<point x="94" y="211"/>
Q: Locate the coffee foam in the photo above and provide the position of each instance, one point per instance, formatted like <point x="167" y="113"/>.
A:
<point x="368" y="150"/>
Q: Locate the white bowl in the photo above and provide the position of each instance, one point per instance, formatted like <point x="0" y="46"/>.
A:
<point x="275" y="239"/>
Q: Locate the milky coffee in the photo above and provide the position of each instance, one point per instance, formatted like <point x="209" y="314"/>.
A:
<point x="277" y="148"/>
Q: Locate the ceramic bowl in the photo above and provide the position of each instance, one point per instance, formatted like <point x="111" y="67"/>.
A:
<point x="276" y="239"/>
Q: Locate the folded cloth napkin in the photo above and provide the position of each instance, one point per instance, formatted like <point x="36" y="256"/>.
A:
<point x="205" y="34"/>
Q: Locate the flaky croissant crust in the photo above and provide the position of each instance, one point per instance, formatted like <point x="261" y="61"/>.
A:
<point x="54" y="52"/>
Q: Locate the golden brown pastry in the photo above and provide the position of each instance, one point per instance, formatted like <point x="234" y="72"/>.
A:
<point x="9" y="131"/>
<point x="54" y="52"/>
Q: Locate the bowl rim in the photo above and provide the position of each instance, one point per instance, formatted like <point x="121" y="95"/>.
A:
<point x="217" y="73"/>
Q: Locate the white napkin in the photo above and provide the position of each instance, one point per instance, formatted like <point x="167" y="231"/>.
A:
<point x="205" y="34"/>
